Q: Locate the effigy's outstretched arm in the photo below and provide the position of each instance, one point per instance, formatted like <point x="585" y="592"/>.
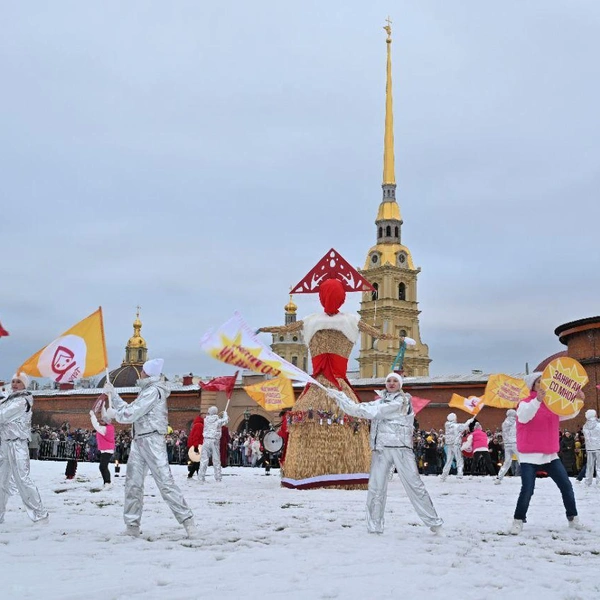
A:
<point x="373" y="332"/>
<point x="296" y="326"/>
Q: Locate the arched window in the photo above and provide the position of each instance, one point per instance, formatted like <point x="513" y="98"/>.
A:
<point x="401" y="291"/>
<point x="295" y="361"/>
<point x="140" y="354"/>
<point x="380" y="231"/>
<point x="388" y="231"/>
<point x="375" y="292"/>
<point x="304" y="364"/>
<point x="396" y="231"/>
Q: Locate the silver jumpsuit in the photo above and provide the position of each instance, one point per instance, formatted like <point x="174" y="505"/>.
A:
<point x="149" y="418"/>
<point x="453" y="439"/>
<point x="212" y="445"/>
<point x="391" y="441"/>
<point x="509" y="439"/>
<point x="591" y="433"/>
<point x="15" y="433"/>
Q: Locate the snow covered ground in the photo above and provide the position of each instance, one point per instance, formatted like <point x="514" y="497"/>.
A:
<point x="263" y="541"/>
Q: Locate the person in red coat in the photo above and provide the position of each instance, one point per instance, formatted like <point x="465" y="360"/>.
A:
<point x="283" y="433"/>
<point x="195" y="440"/>
<point x="224" y="447"/>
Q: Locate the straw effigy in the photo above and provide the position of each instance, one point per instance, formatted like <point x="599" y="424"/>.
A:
<point x="325" y="446"/>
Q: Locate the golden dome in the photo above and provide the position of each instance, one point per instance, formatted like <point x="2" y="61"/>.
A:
<point x="388" y="211"/>
<point x="291" y="307"/>
<point x="389" y="254"/>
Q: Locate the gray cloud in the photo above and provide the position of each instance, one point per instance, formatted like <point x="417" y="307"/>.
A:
<point x="199" y="159"/>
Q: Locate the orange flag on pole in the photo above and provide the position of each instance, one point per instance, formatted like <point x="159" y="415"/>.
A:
<point x="472" y="404"/>
<point x="78" y="352"/>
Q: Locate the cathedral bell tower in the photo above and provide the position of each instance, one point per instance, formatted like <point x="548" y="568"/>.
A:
<point x="392" y="307"/>
<point x="291" y="346"/>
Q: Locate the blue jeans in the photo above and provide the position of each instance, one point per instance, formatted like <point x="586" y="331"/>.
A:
<point x="557" y="472"/>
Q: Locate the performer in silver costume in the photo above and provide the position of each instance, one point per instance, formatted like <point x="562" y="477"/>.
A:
<point x="212" y="440"/>
<point x="591" y="433"/>
<point x="391" y="441"/>
<point x="509" y="439"/>
<point x="15" y="433"/>
<point x="149" y="419"/>
<point x="453" y="439"/>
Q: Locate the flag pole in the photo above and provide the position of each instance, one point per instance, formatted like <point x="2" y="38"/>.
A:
<point x="109" y="394"/>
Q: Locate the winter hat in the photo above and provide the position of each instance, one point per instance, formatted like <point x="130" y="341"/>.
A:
<point x="511" y="412"/>
<point x="531" y="379"/>
<point x="590" y="414"/>
<point x="213" y="410"/>
<point x="332" y="295"/>
<point x="476" y="425"/>
<point x="451" y="417"/>
<point x="153" y="367"/>
<point x="22" y="378"/>
<point x="394" y="376"/>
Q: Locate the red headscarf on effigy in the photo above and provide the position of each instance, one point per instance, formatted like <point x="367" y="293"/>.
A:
<point x="332" y="295"/>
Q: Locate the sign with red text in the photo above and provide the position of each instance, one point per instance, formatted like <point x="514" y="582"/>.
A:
<point x="562" y="380"/>
<point x="504" y="391"/>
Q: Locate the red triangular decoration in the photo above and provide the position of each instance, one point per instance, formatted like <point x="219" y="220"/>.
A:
<point x="332" y="266"/>
<point x="3" y="332"/>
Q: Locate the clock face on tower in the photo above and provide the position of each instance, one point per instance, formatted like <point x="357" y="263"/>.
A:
<point x="374" y="258"/>
<point x="401" y="258"/>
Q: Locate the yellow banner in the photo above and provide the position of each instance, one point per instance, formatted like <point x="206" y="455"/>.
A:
<point x="562" y="380"/>
<point x="472" y="404"/>
<point x="503" y="391"/>
<point x="272" y="394"/>
<point x="78" y="352"/>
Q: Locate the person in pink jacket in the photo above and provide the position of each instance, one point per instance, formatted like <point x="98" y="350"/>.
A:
<point x="105" y="435"/>
<point x="537" y="446"/>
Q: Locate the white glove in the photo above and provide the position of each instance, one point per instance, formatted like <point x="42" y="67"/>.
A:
<point x="225" y="415"/>
<point x="110" y="413"/>
<point x="92" y="414"/>
<point x="109" y="388"/>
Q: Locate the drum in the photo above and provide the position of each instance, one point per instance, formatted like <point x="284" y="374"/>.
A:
<point x="272" y="442"/>
<point x="194" y="456"/>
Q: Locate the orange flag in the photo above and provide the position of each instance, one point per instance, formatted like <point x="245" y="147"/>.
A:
<point x="78" y="352"/>
<point x="472" y="404"/>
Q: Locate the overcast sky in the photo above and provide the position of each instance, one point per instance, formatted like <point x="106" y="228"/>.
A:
<point x="197" y="158"/>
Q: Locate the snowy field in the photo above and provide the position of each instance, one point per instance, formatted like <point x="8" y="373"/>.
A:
<point x="260" y="541"/>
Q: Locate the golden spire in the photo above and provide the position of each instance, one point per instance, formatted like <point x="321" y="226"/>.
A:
<point x="389" y="175"/>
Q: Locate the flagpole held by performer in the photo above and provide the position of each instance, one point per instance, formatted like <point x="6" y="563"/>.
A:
<point x="15" y="434"/>
<point x="148" y="416"/>
<point x="391" y="440"/>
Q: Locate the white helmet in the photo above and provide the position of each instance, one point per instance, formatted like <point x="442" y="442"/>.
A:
<point x="590" y="414"/>
<point x="451" y="417"/>
<point x="213" y="410"/>
<point x="511" y="413"/>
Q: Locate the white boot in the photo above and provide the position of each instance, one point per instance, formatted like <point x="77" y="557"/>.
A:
<point x="190" y="529"/>
<point x="575" y="523"/>
<point x="133" y="530"/>
<point x="517" y="527"/>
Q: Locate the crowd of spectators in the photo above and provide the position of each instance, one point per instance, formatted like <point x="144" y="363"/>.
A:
<point x="245" y="449"/>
